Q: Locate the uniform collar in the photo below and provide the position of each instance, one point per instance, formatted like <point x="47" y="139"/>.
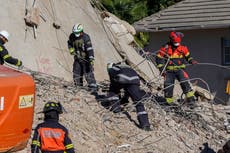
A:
<point x="1" y="42"/>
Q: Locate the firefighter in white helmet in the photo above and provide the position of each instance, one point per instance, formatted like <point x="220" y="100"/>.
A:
<point x="80" y="46"/>
<point x="4" y="54"/>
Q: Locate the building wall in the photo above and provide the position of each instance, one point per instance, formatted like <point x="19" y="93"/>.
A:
<point x="205" y="47"/>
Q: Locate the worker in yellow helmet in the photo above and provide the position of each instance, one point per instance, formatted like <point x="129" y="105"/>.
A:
<point x="51" y="136"/>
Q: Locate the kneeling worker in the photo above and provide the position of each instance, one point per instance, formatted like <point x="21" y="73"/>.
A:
<point x="124" y="77"/>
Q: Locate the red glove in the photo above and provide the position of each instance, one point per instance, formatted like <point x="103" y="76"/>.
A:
<point x="193" y="62"/>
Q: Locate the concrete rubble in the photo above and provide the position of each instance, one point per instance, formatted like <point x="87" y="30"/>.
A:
<point x="94" y="128"/>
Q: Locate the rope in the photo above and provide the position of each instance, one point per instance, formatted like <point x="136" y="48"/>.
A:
<point x="213" y="64"/>
<point x="52" y="5"/>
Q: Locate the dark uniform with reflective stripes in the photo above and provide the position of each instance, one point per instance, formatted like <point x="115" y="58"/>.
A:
<point x="81" y="48"/>
<point x="175" y="69"/>
<point x="5" y="57"/>
<point x="51" y="137"/>
<point x="124" y="77"/>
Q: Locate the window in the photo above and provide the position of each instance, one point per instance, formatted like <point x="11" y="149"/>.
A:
<point x="226" y="51"/>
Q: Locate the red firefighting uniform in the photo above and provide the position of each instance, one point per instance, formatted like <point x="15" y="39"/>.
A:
<point x="175" y="69"/>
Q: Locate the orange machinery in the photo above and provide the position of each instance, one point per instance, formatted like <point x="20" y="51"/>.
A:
<point x="17" y="98"/>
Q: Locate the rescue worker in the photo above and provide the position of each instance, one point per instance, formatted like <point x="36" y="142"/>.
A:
<point x="124" y="77"/>
<point x="228" y="91"/>
<point x="80" y="47"/>
<point x="225" y="148"/>
<point x="171" y="60"/>
<point x="4" y="54"/>
<point x="51" y="136"/>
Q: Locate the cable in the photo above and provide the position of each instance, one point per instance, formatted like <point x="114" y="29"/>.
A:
<point x="212" y="64"/>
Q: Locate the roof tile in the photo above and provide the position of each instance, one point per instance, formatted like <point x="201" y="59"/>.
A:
<point x="188" y="14"/>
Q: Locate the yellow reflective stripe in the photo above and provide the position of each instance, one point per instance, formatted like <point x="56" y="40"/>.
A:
<point x="69" y="146"/>
<point x="160" y="65"/>
<point x="159" y="56"/>
<point x="6" y="56"/>
<point x="190" y="94"/>
<point x="175" y="67"/>
<point x="71" y="50"/>
<point x="35" y="142"/>
<point x="190" y="59"/>
<point x="187" y="54"/>
<point x="1" y="49"/>
<point x="18" y="63"/>
<point x="169" y="100"/>
<point x="228" y="87"/>
<point x="176" y="56"/>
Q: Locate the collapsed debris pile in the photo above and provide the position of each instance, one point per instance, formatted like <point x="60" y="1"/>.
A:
<point x="94" y="128"/>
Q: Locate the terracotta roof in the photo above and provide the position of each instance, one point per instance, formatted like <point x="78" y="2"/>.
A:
<point x="188" y="14"/>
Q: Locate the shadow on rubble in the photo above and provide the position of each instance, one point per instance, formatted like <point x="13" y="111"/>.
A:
<point x="107" y="105"/>
<point x="102" y="100"/>
<point x="206" y="149"/>
<point x="179" y="108"/>
<point x="130" y="119"/>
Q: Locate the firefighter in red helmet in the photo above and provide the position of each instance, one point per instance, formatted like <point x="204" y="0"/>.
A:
<point x="51" y="136"/>
<point x="171" y="60"/>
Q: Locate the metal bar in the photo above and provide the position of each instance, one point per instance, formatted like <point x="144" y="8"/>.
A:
<point x="34" y="3"/>
<point x="35" y="32"/>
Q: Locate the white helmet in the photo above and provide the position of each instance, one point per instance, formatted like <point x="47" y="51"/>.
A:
<point x="5" y="34"/>
<point x="77" y="29"/>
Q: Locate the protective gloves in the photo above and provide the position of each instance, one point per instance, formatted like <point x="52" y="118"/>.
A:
<point x="162" y="73"/>
<point x="72" y="51"/>
<point x="91" y="61"/>
<point x="193" y="62"/>
<point x="20" y="67"/>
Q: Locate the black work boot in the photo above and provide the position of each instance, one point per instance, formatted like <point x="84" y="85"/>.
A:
<point x="144" y="122"/>
<point x="116" y="108"/>
<point x="93" y="86"/>
<point x="146" y="128"/>
<point x="191" y="102"/>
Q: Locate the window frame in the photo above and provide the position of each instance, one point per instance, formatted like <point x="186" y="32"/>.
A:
<point x="223" y="39"/>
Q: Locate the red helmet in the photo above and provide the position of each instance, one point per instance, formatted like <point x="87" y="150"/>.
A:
<point x="175" y="37"/>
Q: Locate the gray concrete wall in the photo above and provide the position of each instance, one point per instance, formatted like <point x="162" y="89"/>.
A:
<point x="205" y="47"/>
<point x="48" y="53"/>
